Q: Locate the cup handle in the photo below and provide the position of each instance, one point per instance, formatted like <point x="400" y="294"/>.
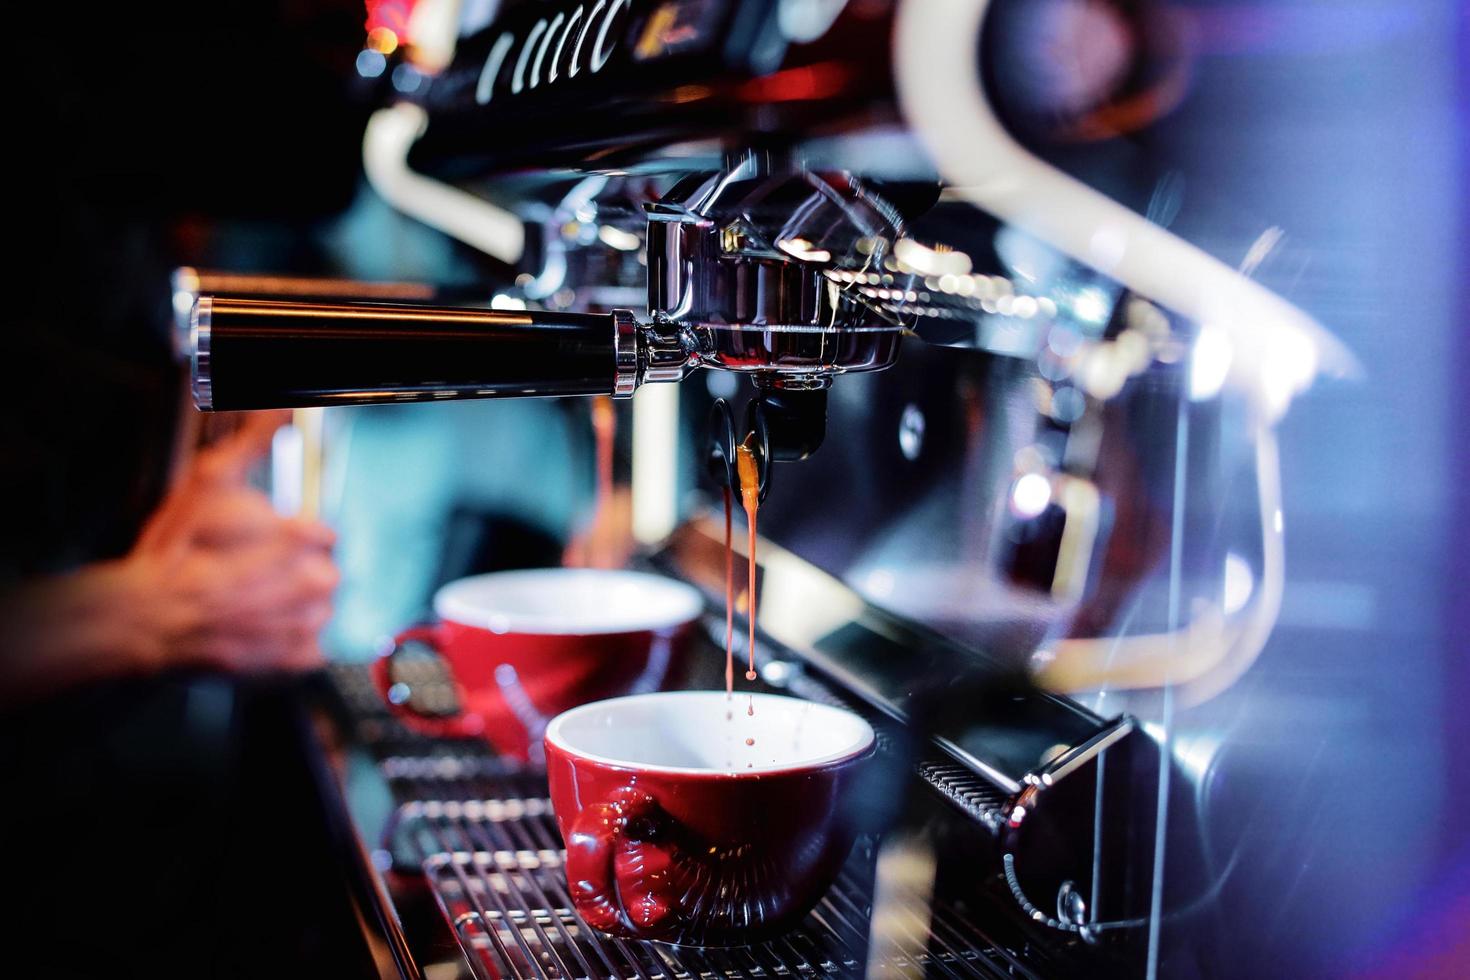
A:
<point x="460" y="725"/>
<point x="618" y="854"/>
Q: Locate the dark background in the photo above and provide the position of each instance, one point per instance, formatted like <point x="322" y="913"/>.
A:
<point x="166" y="827"/>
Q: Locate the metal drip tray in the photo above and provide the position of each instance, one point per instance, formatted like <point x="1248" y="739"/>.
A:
<point x="495" y="869"/>
<point x="465" y="777"/>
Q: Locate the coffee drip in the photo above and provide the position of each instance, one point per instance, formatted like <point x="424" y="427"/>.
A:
<point x="749" y="477"/>
<point x="729" y="602"/>
<point x="750" y="497"/>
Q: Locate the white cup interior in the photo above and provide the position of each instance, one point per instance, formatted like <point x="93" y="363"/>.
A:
<point x="704" y="732"/>
<point x="568" y="601"/>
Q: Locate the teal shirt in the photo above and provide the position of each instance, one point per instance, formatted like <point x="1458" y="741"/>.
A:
<point x="395" y="474"/>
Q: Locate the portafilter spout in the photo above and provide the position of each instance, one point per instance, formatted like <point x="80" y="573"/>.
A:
<point x="750" y="270"/>
<point x="768" y="271"/>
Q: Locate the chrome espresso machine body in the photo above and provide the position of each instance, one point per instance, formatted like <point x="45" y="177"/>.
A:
<point x="1037" y="536"/>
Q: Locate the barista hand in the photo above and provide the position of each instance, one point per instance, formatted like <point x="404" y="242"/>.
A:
<point x="239" y="587"/>
<point x="217" y="579"/>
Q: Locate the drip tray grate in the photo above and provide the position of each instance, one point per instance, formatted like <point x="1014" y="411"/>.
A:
<point x="495" y="869"/>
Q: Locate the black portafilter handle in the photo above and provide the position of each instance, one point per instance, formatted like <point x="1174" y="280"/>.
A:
<point x="258" y="354"/>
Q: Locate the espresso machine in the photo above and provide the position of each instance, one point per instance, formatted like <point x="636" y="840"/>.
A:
<point x="1017" y="447"/>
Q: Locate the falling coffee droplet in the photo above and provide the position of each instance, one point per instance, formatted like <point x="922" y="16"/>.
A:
<point x="750" y="675"/>
<point x="750" y="707"/>
<point x="750" y="741"/>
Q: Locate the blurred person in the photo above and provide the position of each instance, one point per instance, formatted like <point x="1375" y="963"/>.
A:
<point x="216" y="580"/>
<point x="121" y="171"/>
<point x="157" y="619"/>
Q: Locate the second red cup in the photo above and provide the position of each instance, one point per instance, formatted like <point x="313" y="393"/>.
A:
<point x="524" y="646"/>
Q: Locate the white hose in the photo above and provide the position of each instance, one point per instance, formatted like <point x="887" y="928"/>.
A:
<point x="1277" y="349"/>
<point x="458" y="214"/>
<point x="1213" y="650"/>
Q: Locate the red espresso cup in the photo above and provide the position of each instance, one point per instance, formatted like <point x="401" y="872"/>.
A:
<point x="688" y="820"/>
<point x="523" y="646"/>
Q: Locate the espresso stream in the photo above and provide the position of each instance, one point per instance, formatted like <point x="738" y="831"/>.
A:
<point x="750" y="496"/>
<point x="729" y="604"/>
<point x="749" y="474"/>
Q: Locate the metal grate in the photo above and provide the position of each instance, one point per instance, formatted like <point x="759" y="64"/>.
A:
<point x="420" y="768"/>
<point x="975" y="796"/>
<point x="466" y="776"/>
<point x="416" y="782"/>
<point x="481" y="830"/>
<point x="981" y="800"/>
<point x="495" y="868"/>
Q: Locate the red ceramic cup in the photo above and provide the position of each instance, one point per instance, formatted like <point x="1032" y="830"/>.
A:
<point x="524" y="646"/>
<point x="679" y="831"/>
